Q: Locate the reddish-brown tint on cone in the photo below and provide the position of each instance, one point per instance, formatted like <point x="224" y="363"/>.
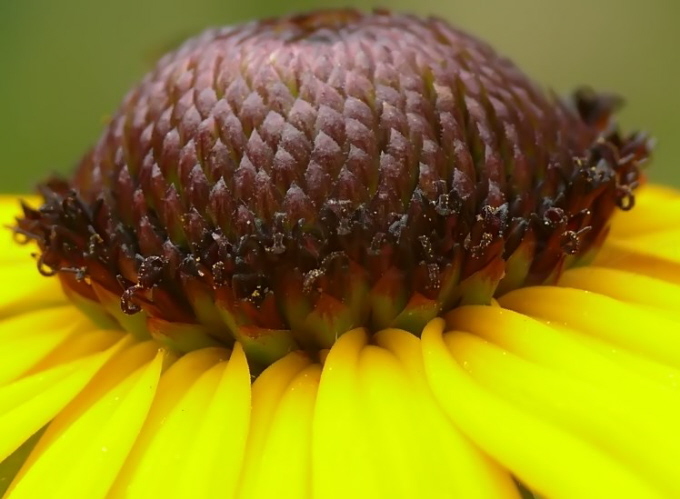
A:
<point x="281" y="182"/>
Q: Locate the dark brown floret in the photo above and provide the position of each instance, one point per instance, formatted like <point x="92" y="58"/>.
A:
<point x="283" y="181"/>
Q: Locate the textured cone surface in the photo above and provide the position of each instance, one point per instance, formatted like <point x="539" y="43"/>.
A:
<point x="288" y="179"/>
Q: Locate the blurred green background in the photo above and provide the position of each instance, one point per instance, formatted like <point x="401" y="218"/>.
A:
<point x="65" y="64"/>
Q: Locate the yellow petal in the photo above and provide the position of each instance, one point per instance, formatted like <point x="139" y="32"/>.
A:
<point x="13" y="252"/>
<point x="22" y="289"/>
<point x="558" y="348"/>
<point x="82" y="451"/>
<point x="659" y="373"/>
<point x="174" y="418"/>
<point x="28" y="338"/>
<point x="618" y="254"/>
<point x="37" y="322"/>
<point x="406" y="449"/>
<point x="30" y="403"/>
<point x="77" y="346"/>
<point x="633" y="436"/>
<point x="548" y="459"/>
<point x="654" y="211"/>
<point x="286" y="460"/>
<point x="622" y="324"/>
<point x="453" y="464"/>
<point x="268" y="391"/>
<point x="216" y="455"/>
<point x="658" y="295"/>
<point x="340" y="443"/>
<point x="168" y="452"/>
<point x="386" y="399"/>
<point x="656" y="193"/>
<point x="663" y="244"/>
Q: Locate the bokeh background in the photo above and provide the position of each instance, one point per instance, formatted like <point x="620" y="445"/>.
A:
<point x="65" y="64"/>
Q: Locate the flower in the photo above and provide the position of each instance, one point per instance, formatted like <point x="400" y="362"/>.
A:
<point x="230" y="320"/>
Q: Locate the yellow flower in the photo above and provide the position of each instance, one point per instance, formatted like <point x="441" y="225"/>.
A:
<point x="275" y="276"/>
<point x="571" y="389"/>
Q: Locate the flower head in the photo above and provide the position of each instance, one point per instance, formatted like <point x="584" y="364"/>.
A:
<point x="289" y="242"/>
<point x="282" y="182"/>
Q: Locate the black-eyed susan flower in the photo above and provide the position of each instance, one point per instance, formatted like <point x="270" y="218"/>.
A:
<point x="344" y="255"/>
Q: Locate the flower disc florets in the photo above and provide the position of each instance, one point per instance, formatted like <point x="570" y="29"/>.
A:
<point x="281" y="182"/>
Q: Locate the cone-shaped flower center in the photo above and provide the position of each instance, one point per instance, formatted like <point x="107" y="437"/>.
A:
<point x="281" y="182"/>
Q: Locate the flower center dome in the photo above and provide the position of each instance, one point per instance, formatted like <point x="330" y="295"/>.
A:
<point x="281" y="182"/>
